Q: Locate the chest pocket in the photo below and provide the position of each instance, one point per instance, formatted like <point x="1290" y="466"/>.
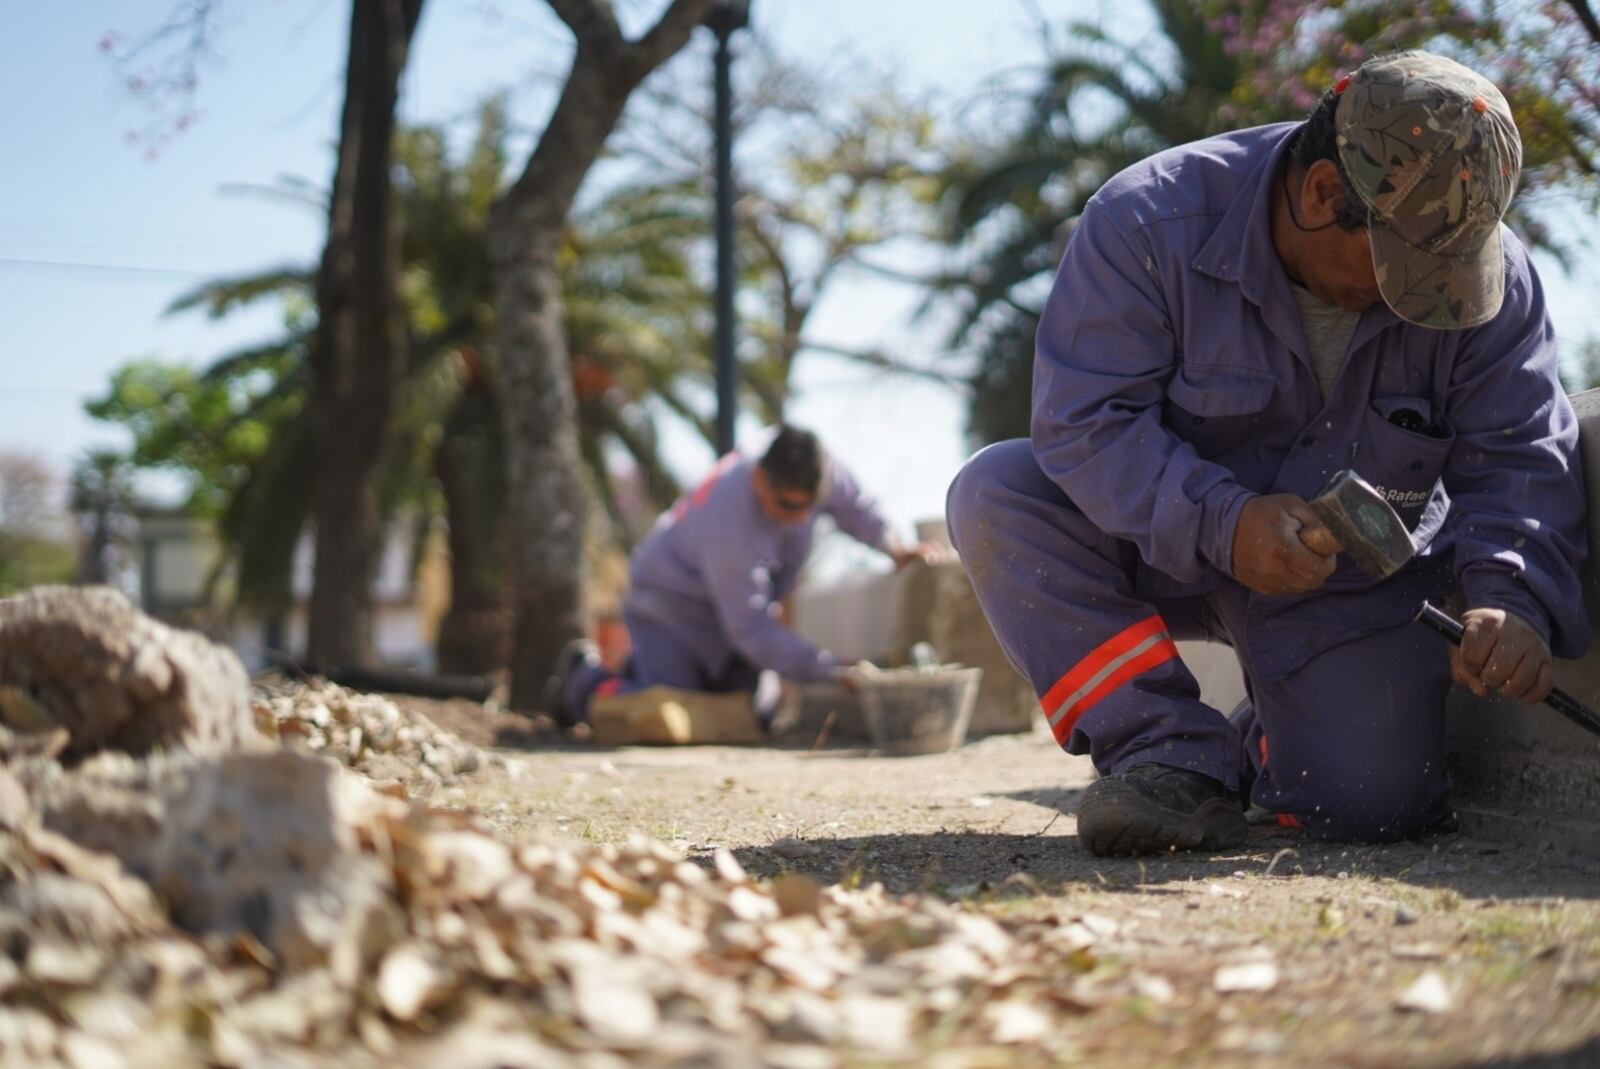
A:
<point x="1403" y="449"/>
<point x="1216" y="410"/>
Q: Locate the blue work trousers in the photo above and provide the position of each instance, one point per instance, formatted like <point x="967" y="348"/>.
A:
<point x="661" y="657"/>
<point x="1349" y="745"/>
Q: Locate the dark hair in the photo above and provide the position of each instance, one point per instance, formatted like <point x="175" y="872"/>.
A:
<point x="794" y="461"/>
<point x="1318" y="139"/>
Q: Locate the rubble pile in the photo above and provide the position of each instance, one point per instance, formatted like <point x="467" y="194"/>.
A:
<point x="274" y="906"/>
<point x="365" y="732"/>
<point x="445" y="939"/>
<point x="85" y="661"/>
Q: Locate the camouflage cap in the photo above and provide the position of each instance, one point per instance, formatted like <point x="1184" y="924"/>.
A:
<point x="1432" y="149"/>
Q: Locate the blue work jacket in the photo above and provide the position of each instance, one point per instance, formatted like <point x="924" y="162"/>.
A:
<point x="1172" y="382"/>
<point x="715" y="568"/>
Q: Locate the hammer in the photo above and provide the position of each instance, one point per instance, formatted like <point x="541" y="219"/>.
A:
<point x="1370" y="530"/>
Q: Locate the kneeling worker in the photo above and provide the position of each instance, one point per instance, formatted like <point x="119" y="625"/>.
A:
<point x="1234" y="322"/>
<point x="704" y="610"/>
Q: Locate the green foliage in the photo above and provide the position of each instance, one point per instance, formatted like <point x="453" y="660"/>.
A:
<point x="1544" y="56"/>
<point x="211" y="426"/>
<point x="35" y="543"/>
<point x="1102" y="105"/>
<point x="28" y="561"/>
<point x="1583" y="372"/>
<point x="102" y="499"/>
<point x="1099" y="105"/>
<point x="238" y="431"/>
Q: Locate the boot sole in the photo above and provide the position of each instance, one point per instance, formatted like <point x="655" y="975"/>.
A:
<point x="1120" y="822"/>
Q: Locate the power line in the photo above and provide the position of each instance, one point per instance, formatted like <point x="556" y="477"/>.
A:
<point x="105" y="269"/>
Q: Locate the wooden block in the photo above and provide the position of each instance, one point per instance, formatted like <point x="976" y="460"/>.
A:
<point x="665" y="716"/>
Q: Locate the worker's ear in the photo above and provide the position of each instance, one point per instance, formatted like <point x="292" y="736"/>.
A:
<point x="1321" y="191"/>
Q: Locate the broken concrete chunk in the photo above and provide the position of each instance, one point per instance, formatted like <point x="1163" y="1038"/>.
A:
<point x="87" y="661"/>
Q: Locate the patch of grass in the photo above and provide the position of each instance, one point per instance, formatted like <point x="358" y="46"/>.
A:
<point x="855" y="878"/>
<point x="1140" y="1008"/>
<point x="1014" y="907"/>
<point x="1505" y="970"/>
<point x="667" y="831"/>
<point x="1503" y="927"/>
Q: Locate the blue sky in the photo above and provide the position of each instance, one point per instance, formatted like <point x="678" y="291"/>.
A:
<point x="96" y="239"/>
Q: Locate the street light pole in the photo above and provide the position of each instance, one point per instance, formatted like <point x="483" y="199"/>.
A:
<point x="726" y="17"/>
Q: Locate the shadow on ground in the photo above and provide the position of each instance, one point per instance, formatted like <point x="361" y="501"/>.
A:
<point x="1050" y="862"/>
<point x="1584" y="1056"/>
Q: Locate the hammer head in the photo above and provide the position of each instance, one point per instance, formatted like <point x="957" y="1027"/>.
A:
<point x="1365" y="524"/>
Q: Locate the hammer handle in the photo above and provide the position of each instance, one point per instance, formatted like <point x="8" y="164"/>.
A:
<point x="1557" y="699"/>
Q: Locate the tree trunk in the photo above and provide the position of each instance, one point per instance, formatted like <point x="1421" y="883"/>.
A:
<point x="475" y="635"/>
<point x="545" y="492"/>
<point x="356" y="354"/>
<point x="548" y="506"/>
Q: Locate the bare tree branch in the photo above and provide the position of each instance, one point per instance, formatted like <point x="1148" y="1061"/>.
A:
<point x="1586" y="16"/>
<point x="937" y="281"/>
<point x="770" y="245"/>
<point x="669" y="33"/>
<point x="883" y="362"/>
<point x="590" y="21"/>
<point x="162" y="69"/>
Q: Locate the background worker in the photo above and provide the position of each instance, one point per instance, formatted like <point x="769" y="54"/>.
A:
<point x="704" y="608"/>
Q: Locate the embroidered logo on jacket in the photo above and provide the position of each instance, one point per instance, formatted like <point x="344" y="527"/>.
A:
<point x="1404" y="499"/>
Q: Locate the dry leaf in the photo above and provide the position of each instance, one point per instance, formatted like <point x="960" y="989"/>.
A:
<point x="613" y="1007"/>
<point x="882" y="1025"/>
<point x="1418" y="951"/>
<point x="1246" y="976"/>
<point x="728" y="866"/>
<point x="796" y="894"/>
<point x="1427" y="995"/>
<point x="1017" y="1022"/>
<point x="407" y="980"/>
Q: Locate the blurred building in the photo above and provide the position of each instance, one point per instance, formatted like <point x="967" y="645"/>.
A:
<point x="177" y="559"/>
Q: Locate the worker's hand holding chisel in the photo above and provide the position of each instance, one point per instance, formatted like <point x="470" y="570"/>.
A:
<point x="1500" y="652"/>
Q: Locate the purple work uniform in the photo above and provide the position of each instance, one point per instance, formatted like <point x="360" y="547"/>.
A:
<point x="707" y="584"/>
<point x="1172" y="382"/>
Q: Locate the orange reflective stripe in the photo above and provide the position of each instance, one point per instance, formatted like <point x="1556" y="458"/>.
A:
<point x="1127" y="654"/>
<point x="1285" y="820"/>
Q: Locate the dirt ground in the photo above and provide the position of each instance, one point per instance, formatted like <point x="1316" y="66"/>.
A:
<point x="1449" y="951"/>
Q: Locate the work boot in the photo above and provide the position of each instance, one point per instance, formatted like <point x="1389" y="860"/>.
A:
<point x="578" y="654"/>
<point x="1153" y="809"/>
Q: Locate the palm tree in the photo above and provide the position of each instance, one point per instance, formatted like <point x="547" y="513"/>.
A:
<point x="102" y="499"/>
<point x="240" y="429"/>
<point x="1101" y="105"/>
